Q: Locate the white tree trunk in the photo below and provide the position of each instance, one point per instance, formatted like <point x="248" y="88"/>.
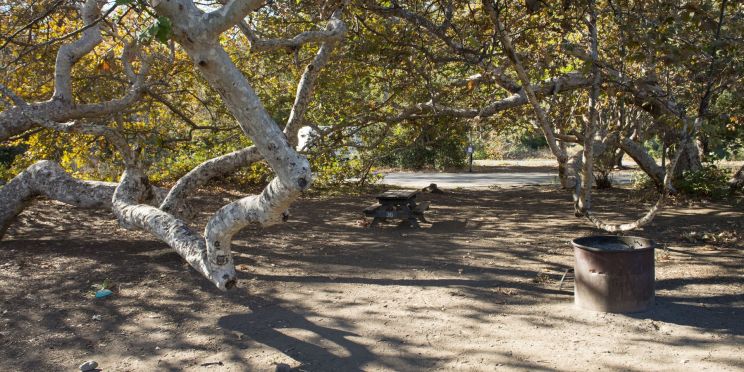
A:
<point x="228" y="163"/>
<point x="47" y="178"/>
<point x="198" y="33"/>
<point x="191" y="246"/>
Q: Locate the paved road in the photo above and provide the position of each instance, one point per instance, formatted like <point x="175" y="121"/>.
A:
<point x="482" y="180"/>
<point x="505" y="173"/>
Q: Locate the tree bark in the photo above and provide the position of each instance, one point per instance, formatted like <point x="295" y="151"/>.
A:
<point x="198" y="33"/>
<point x="175" y="201"/>
<point x="645" y="161"/>
<point x="47" y="178"/>
<point x="200" y="175"/>
<point x="737" y="181"/>
<point x="128" y="207"/>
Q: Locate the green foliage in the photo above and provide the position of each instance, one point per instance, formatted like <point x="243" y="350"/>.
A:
<point x="641" y="181"/>
<point x="433" y="147"/>
<point x="515" y="144"/>
<point x="160" y="30"/>
<point x="710" y="181"/>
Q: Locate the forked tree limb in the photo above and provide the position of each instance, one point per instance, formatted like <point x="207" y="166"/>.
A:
<point x="650" y="214"/>
<point x="645" y="161"/>
<point x="583" y="205"/>
<point x="62" y="107"/>
<point x="336" y="30"/>
<point x="128" y="207"/>
<point x="212" y="255"/>
<point x="233" y="161"/>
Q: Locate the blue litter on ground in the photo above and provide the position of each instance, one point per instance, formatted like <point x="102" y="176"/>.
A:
<point x="103" y="293"/>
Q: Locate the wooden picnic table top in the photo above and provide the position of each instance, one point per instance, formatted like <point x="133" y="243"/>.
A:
<point x="397" y="195"/>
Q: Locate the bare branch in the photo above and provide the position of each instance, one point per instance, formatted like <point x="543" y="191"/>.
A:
<point x="201" y="174"/>
<point x="542" y="118"/>
<point x="307" y="82"/>
<point x="229" y="15"/>
<point x="70" y="53"/>
<point x="261" y="45"/>
<point x="34" y="21"/>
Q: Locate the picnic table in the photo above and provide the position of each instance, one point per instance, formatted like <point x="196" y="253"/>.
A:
<point x="399" y="204"/>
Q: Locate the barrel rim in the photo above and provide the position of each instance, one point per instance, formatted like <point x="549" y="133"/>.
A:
<point x="581" y="243"/>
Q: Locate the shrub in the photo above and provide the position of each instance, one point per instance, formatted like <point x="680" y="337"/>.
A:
<point x="710" y="181"/>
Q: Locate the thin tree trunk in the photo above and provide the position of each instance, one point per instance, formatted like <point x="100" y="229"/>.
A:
<point x="542" y="118"/>
<point x="737" y="181"/>
<point x="585" y="209"/>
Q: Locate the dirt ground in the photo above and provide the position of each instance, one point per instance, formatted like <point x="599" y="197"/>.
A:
<point x="475" y="290"/>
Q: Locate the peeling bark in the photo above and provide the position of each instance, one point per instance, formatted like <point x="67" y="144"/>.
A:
<point x="175" y="200"/>
<point x="47" y="178"/>
<point x="293" y="170"/>
<point x="199" y="176"/>
<point x="174" y="232"/>
<point x="198" y="33"/>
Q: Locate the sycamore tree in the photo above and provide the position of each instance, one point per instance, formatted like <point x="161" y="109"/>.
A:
<point x="198" y="31"/>
<point x="138" y="92"/>
<point x="606" y="76"/>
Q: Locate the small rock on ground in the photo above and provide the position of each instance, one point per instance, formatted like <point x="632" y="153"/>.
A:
<point x="88" y="366"/>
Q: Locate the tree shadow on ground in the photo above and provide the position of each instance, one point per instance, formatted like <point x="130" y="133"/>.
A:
<point x="516" y="236"/>
<point x="265" y="322"/>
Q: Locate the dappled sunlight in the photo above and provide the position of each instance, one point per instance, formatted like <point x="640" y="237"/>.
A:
<point x="324" y="293"/>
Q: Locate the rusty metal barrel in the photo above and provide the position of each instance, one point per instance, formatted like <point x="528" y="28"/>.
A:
<point x="614" y="273"/>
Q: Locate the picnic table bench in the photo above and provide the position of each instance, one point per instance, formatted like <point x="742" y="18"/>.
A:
<point x="399" y="204"/>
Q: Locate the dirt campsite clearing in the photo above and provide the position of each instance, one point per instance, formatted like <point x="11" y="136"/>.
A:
<point x="475" y="290"/>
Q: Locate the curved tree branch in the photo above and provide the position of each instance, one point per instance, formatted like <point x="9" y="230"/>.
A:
<point x="231" y="162"/>
<point x="228" y="15"/>
<point x="47" y="178"/>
